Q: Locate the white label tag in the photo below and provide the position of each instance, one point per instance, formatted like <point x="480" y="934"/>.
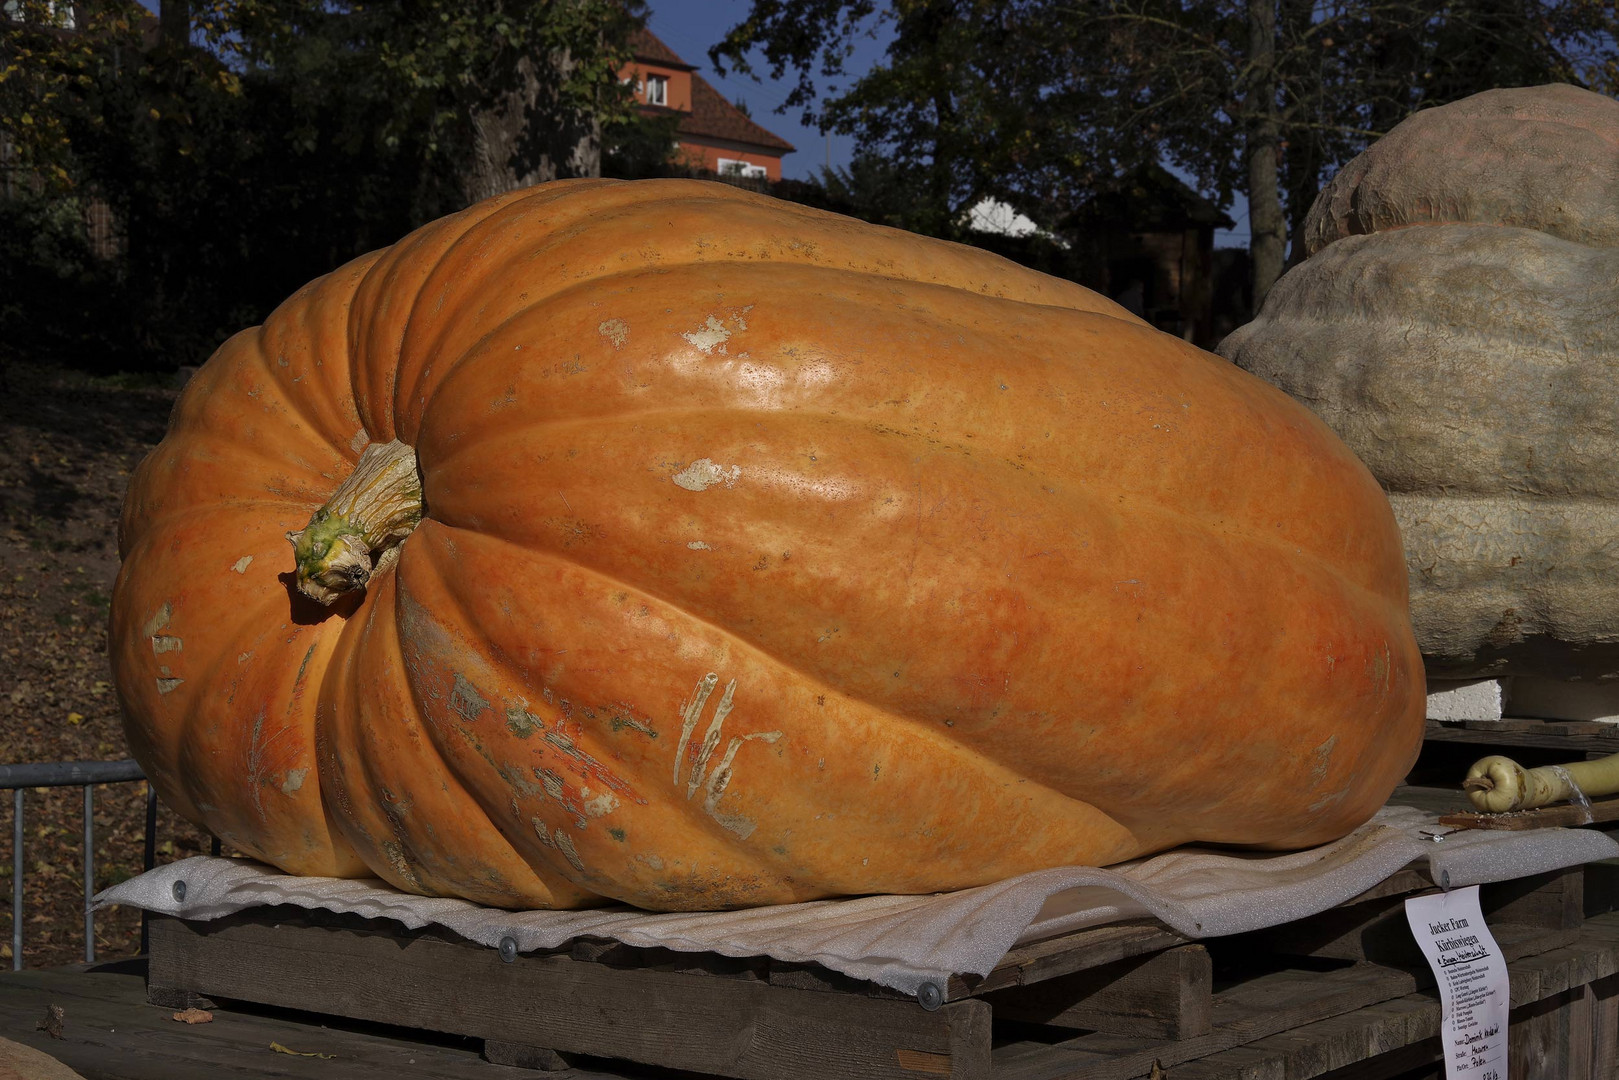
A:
<point x="1472" y="981"/>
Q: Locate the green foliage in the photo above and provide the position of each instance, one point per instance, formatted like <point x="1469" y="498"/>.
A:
<point x="640" y="145"/>
<point x="887" y="192"/>
<point x="1040" y="102"/>
<point x="972" y="98"/>
<point x="54" y="58"/>
<point x="290" y="137"/>
<point x="433" y="59"/>
<point x="56" y="297"/>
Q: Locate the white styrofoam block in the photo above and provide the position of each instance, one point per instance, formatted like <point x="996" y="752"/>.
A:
<point x="1558" y="699"/>
<point x="1466" y="699"/>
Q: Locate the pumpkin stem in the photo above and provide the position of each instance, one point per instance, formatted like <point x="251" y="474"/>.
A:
<point x="359" y="529"/>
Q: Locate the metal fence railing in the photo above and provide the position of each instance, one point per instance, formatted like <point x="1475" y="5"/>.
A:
<point x="83" y="774"/>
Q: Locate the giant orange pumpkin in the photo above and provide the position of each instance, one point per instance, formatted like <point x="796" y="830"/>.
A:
<point x="762" y="555"/>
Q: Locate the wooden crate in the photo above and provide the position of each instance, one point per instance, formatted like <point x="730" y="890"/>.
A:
<point x="1333" y="992"/>
<point x="1577" y="737"/>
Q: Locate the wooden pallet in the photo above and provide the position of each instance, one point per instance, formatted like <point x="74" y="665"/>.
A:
<point x="1109" y="1002"/>
<point x="1561" y="816"/>
<point x="1575" y="736"/>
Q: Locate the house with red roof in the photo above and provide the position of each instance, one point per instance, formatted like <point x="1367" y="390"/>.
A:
<point x="713" y="135"/>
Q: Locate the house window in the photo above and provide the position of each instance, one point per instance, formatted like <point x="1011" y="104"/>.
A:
<point x="735" y="167"/>
<point x="657" y="90"/>
<point x="59" y="13"/>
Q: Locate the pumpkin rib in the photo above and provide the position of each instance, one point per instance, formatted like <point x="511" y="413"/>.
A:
<point x="295" y="398"/>
<point x="442" y="371"/>
<point x="197" y="715"/>
<point x="304" y="347"/>
<point x="202" y="425"/>
<point x="201" y="510"/>
<point x="467" y="229"/>
<point x="358" y="641"/>
<point x="477" y="350"/>
<point x="935" y="738"/>
<point x="462" y="417"/>
<point x="1244" y="531"/>
<point x="738" y="848"/>
<point x="711" y="827"/>
<point x="562" y="232"/>
<point x="394" y="362"/>
<point x="515" y="835"/>
<point x="949" y="749"/>
<point x="371" y="331"/>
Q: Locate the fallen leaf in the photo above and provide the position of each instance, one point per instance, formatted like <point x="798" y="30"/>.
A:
<point x="193" y="1016"/>
<point x="278" y="1048"/>
<point x="75" y="718"/>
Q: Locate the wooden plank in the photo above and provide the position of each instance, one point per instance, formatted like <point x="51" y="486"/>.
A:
<point x="1605" y="1028"/>
<point x="1165" y="996"/>
<point x="1564" y="816"/>
<point x="1261" y="1007"/>
<point x="1431" y="799"/>
<point x="825" y="980"/>
<point x="1295" y="1002"/>
<point x="1354" y="1040"/>
<point x="1573" y="735"/>
<point x="112" y="1034"/>
<point x="1555" y="900"/>
<point x="1065" y="954"/>
<point x="1376" y="929"/>
<point x="1548" y="1040"/>
<point x="728" y="1027"/>
<point x="1414" y="878"/>
<point x="618" y="954"/>
<point x="524" y="1056"/>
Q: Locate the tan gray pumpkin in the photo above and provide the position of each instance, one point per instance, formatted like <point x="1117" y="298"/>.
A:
<point x="1457" y="323"/>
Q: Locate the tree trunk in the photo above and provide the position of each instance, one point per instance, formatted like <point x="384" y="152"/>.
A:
<point x="522" y="133"/>
<point x="1304" y="154"/>
<point x="1267" y="245"/>
<point x="174" y="22"/>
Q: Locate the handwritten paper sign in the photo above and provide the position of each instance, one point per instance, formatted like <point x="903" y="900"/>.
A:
<point x="1472" y="979"/>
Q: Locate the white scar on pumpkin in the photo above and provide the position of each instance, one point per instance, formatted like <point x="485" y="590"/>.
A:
<point x="720" y="778"/>
<point x="703" y="474"/>
<point x="713" y="334"/>
<point x="241" y="565"/>
<point x="560" y="841"/>
<point x="708" y="337"/>
<point x="602" y="804"/>
<point x="616" y="331"/>
<point x="167" y="681"/>
<point x="158" y="621"/>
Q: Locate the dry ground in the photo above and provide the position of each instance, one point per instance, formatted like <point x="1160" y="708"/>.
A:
<point x="68" y="443"/>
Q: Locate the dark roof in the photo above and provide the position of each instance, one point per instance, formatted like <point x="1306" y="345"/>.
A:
<point x="715" y="118"/>
<point x="645" y="45"/>
<point x="1149" y="199"/>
